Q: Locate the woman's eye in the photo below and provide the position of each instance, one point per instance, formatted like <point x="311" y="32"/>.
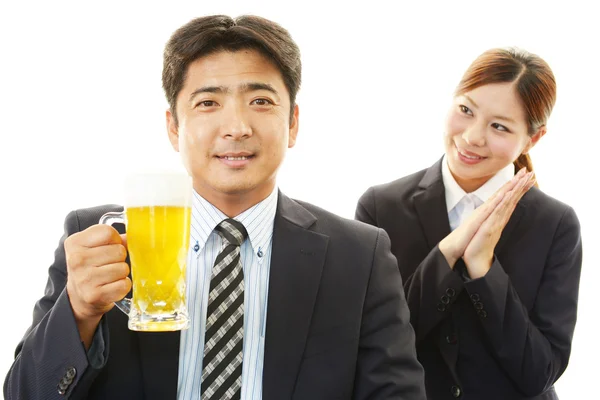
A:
<point x="464" y="109"/>
<point x="499" y="127"/>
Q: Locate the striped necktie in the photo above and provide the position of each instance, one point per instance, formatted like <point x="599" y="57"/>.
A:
<point x="223" y="346"/>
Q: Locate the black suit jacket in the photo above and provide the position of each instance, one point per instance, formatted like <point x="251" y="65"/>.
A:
<point x="337" y="324"/>
<point x="506" y="335"/>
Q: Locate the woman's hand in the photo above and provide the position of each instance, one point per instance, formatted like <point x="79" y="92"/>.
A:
<point x="479" y="253"/>
<point x="454" y="245"/>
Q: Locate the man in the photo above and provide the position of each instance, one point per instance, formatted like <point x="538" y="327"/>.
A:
<point x="322" y="316"/>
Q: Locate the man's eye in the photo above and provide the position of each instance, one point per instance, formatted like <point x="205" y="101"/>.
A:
<point x="262" y="102"/>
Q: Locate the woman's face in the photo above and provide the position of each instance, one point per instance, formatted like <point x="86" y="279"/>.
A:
<point x="486" y="130"/>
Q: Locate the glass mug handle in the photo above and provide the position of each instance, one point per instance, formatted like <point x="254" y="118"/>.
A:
<point x="117" y="218"/>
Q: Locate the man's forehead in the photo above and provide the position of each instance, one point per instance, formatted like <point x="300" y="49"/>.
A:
<point x="228" y="72"/>
<point x="240" y="62"/>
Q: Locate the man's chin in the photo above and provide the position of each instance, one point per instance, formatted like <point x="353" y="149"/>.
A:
<point x="233" y="188"/>
<point x="232" y="185"/>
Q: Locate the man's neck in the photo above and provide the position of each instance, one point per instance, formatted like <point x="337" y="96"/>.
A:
<point x="235" y="203"/>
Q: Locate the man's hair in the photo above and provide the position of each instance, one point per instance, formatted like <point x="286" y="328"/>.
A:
<point x="207" y="35"/>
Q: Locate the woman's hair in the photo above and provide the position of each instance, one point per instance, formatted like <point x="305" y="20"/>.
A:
<point x="533" y="79"/>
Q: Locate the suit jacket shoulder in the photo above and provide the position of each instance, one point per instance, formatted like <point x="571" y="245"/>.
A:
<point x="352" y="244"/>
<point x="545" y="206"/>
<point x="354" y="234"/>
<point x="388" y="198"/>
<point x="399" y="188"/>
<point x="86" y="217"/>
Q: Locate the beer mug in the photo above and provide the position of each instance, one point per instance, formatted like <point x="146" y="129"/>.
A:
<point x="157" y="216"/>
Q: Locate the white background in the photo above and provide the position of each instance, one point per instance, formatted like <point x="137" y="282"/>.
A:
<point x="81" y="104"/>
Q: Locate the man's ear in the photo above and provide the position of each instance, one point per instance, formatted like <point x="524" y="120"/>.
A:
<point x="173" y="130"/>
<point x="294" y="125"/>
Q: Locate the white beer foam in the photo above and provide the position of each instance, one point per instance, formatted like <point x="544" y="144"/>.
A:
<point x="158" y="189"/>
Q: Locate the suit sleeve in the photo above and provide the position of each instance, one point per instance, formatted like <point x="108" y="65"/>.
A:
<point x="387" y="366"/>
<point x="51" y="353"/>
<point x="365" y="209"/>
<point x="433" y="286"/>
<point x="534" y="347"/>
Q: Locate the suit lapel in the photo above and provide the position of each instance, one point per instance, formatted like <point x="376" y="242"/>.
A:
<point x="159" y="354"/>
<point x="430" y="203"/>
<point x="296" y="264"/>
<point x="511" y="224"/>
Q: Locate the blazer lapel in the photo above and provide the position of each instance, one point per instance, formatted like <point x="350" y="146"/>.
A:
<point x="511" y="224"/>
<point x="430" y="203"/>
<point x="159" y="353"/>
<point x="296" y="264"/>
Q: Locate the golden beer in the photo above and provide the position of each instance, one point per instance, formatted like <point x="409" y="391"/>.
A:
<point x="158" y="217"/>
<point x="157" y="240"/>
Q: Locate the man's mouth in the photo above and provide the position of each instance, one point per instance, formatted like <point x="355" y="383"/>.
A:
<point x="236" y="160"/>
<point x="231" y="158"/>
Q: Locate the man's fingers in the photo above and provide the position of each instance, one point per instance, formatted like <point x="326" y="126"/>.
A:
<point x="116" y="290"/>
<point x="124" y="239"/>
<point x="110" y="273"/>
<point x="97" y="256"/>
<point x="94" y="236"/>
<point x="104" y="295"/>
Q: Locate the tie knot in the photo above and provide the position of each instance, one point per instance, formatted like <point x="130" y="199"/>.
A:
<point x="232" y="231"/>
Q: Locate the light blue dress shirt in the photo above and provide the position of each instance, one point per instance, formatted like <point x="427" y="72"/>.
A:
<point x="205" y="245"/>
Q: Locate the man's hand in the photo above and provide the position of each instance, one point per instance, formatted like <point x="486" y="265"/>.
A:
<point x="97" y="275"/>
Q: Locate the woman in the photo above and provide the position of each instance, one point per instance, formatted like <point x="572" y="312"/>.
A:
<point x="490" y="264"/>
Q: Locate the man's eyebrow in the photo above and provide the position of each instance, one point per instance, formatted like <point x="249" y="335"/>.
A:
<point x="254" y="86"/>
<point x="209" y="89"/>
<point x="244" y="87"/>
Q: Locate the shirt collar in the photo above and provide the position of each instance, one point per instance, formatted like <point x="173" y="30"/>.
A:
<point x="454" y="193"/>
<point x="258" y="220"/>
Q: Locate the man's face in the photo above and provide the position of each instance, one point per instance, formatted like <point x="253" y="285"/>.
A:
<point x="234" y="124"/>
